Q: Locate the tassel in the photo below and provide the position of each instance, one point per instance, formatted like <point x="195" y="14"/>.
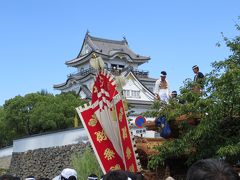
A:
<point x="120" y="81"/>
<point x="97" y="62"/>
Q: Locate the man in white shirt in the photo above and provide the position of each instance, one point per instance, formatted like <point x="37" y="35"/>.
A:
<point x="162" y="90"/>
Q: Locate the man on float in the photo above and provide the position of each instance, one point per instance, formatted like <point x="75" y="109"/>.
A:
<point x="198" y="79"/>
<point x="162" y="90"/>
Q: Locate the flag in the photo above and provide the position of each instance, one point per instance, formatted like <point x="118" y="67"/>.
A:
<point x="107" y="127"/>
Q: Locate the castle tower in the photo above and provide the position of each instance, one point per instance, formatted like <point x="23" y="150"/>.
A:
<point x="119" y="59"/>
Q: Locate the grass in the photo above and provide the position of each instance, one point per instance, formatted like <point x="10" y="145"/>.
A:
<point x="85" y="164"/>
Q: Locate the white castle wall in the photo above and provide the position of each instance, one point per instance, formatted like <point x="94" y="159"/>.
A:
<point x="7" y="151"/>
<point x="62" y="138"/>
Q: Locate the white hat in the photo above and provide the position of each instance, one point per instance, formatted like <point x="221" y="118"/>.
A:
<point x="92" y="177"/>
<point x="195" y="66"/>
<point x="163" y="74"/>
<point x="169" y="178"/>
<point x="67" y="172"/>
<point x="30" y="178"/>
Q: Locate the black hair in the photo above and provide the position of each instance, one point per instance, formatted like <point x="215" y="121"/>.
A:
<point x="70" y="178"/>
<point x="164" y="73"/>
<point x="195" y="67"/>
<point x="116" y="175"/>
<point x="92" y="176"/>
<point x="211" y="169"/>
<point x="132" y="175"/>
<point x="174" y="92"/>
<point x="9" y="177"/>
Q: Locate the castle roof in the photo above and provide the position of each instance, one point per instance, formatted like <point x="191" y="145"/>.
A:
<point x="106" y="48"/>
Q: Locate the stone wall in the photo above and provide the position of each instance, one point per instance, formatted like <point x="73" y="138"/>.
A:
<point x="46" y="162"/>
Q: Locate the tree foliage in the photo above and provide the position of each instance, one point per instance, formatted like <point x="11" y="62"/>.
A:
<point x="36" y="113"/>
<point x="218" y="107"/>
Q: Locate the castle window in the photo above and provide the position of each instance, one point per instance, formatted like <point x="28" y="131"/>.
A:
<point x="121" y="66"/>
<point x="106" y="65"/>
<point x="135" y="94"/>
<point x="126" y="93"/>
<point x="114" y="66"/>
<point x="131" y="94"/>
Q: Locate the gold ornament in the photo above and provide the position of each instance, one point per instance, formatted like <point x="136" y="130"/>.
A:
<point x="109" y="154"/>
<point x="94" y="55"/>
<point x="116" y="167"/>
<point x="128" y="153"/>
<point x="124" y="133"/>
<point x="93" y="121"/>
<point x="95" y="90"/>
<point x="121" y="114"/>
<point x="131" y="168"/>
<point x="101" y="136"/>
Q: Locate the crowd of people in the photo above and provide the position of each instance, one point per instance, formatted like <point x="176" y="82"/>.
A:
<point x="206" y="169"/>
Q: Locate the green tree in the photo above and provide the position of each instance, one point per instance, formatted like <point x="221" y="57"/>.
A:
<point x="3" y="133"/>
<point x="37" y="112"/>
<point x="55" y="112"/>
<point x="218" y="133"/>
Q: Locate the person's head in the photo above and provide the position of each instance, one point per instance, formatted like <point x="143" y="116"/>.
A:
<point x="174" y="94"/>
<point x="68" y="174"/>
<point x="30" y="178"/>
<point x="211" y="169"/>
<point x="131" y="175"/>
<point x="163" y="75"/>
<point x="169" y="178"/>
<point x="195" y="69"/>
<point x="139" y="176"/>
<point x="92" y="177"/>
<point x="7" y="177"/>
<point x="116" y="175"/>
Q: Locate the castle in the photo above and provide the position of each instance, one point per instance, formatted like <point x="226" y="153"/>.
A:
<point x="119" y="59"/>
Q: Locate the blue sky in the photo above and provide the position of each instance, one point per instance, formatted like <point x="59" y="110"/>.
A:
<point x="37" y="37"/>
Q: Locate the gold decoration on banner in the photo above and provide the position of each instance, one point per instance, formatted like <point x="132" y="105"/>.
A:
<point x="113" y="114"/>
<point x="95" y="90"/>
<point x="128" y="153"/>
<point x="120" y="114"/>
<point x="108" y="86"/>
<point x="100" y="136"/>
<point x="116" y="167"/>
<point x="131" y="168"/>
<point x="101" y="81"/>
<point x="109" y="154"/>
<point x="93" y="121"/>
<point x="125" y="105"/>
<point x="124" y="133"/>
<point x="94" y="56"/>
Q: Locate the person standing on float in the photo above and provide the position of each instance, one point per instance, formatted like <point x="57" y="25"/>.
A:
<point x="162" y="90"/>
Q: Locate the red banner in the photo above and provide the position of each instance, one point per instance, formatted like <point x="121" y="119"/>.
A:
<point x="102" y="146"/>
<point x="127" y="145"/>
<point x="107" y="126"/>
